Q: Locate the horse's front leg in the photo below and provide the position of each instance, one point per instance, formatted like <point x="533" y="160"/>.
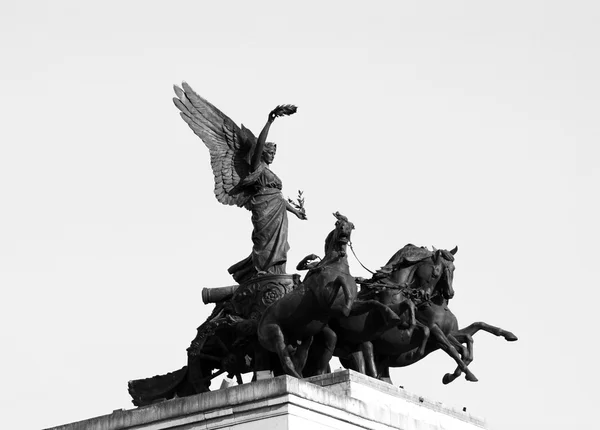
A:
<point x="465" y="335"/>
<point x="340" y="282"/>
<point x="412" y="311"/>
<point x="415" y="354"/>
<point x="496" y="331"/>
<point x="443" y="343"/>
<point x="466" y="352"/>
<point x="389" y="317"/>
<point x="407" y="308"/>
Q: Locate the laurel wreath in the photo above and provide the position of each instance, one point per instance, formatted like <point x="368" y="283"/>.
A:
<point x="283" y="110"/>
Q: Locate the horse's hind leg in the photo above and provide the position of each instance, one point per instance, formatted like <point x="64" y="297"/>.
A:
<point x="263" y="366"/>
<point x="329" y="342"/>
<point x="445" y="344"/>
<point x="496" y="331"/>
<point x="369" y="356"/>
<point x="301" y="354"/>
<point x="271" y="337"/>
<point x="383" y="371"/>
<point x="354" y="361"/>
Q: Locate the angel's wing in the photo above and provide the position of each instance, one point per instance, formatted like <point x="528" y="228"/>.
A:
<point x="228" y="144"/>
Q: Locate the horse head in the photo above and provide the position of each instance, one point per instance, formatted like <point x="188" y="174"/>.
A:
<point x="340" y="236"/>
<point x="445" y="261"/>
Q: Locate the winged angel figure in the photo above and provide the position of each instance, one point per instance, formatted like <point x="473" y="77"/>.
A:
<point x="240" y="164"/>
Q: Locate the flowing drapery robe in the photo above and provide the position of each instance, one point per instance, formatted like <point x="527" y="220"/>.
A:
<point x="269" y="236"/>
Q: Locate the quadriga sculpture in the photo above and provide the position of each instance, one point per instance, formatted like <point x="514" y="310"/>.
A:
<point x="267" y="322"/>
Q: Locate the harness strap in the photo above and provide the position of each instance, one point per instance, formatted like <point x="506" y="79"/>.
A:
<point x="359" y="262"/>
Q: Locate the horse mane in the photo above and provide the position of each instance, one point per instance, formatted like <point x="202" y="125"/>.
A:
<point x="407" y="255"/>
<point x="447" y="255"/>
<point x="410" y="254"/>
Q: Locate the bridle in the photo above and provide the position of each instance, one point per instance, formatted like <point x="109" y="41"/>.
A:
<point x="419" y="296"/>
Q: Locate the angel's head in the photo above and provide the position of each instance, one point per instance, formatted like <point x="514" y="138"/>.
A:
<point x="269" y="152"/>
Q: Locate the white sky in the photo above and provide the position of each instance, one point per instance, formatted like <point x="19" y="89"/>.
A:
<point x="464" y="123"/>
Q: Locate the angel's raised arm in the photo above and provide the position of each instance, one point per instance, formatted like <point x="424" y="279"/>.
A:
<point x="262" y="137"/>
<point x="260" y="144"/>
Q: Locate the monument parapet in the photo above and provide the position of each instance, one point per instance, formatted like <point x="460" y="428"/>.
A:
<point x="338" y="400"/>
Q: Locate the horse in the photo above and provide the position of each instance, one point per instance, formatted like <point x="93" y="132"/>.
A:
<point x="437" y="327"/>
<point x="409" y="277"/>
<point x="328" y="290"/>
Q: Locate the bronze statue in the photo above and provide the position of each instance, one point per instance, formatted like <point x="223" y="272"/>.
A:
<point x="270" y="322"/>
<point x="240" y="164"/>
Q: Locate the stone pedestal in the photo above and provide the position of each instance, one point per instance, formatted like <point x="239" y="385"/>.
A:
<point x="340" y="400"/>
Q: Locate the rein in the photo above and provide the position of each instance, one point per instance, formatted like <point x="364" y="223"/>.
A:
<point x="418" y="297"/>
<point x="359" y="262"/>
<point x="327" y="266"/>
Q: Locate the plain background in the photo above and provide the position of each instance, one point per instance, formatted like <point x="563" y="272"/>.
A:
<point x="440" y="123"/>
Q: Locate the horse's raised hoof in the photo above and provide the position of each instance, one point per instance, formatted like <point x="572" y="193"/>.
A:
<point x="447" y="379"/>
<point x="471" y="378"/>
<point x="510" y="337"/>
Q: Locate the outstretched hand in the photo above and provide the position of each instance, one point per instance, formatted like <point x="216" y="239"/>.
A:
<point x="282" y="110"/>
<point x="308" y="262"/>
<point x="301" y="215"/>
